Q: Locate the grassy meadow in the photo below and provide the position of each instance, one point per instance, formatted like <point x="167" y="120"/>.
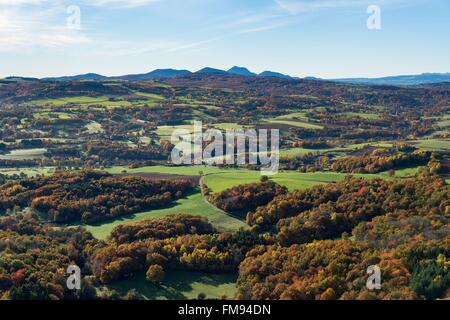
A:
<point x="192" y="204"/>
<point x="219" y="179"/>
<point x="179" y="285"/>
<point x="299" y="124"/>
<point x="433" y="144"/>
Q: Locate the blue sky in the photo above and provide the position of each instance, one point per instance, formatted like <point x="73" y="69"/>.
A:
<point x="323" y="38"/>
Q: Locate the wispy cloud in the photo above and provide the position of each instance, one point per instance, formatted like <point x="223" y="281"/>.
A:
<point x="20" y="2"/>
<point x="27" y="24"/>
<point x="110" y="3"/>
<point x="121" y="3"/>
<point x="28" y="27"/>
<point x="300" y="6"/>
<point x="126" y="48"/>
<point x="192" y="45"/>
<point x="248" y="22"/>
<point x="254" y="18"/>
<point x="262" y="28"/>
<point x="41" y="23"/>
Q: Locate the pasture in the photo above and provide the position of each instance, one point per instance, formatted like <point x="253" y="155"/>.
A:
<point x="23" y="154"/>
<point x="367" y="116"/>
<point x="29" y="172"/>
<point x="293" y="123"/>
<point x="192" y="204"/>
<point x="219" y="179"/>
<point x="179" y="285"/>
<point x="105" y="101"/>
<point x="432" y="144"/>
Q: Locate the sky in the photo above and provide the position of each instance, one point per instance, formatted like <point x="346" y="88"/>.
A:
<point x="321" y="38"/>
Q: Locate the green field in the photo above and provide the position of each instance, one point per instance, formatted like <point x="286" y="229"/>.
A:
<point x="21" y="154"/>
<point x="372" y="144"/>
<point x="150" y="96"/>
<point x="295" y="119"/>
<point x="166" y="131"/>
<point x="182" y="170"/>
<point x="52" y="115"/>
<point x="218" y="179"/>
<point x="106" y="101"/>
<point x="179" y="285"/>
<point x="193" y="204"/>
<point x="292" y="180"/>
<point x="227" y="126"/>
<point x="79" y="100"/>
<point x="29" y="172"/>
<point x="293" y="123"/>
<point x="295" y="152"/>
<point x="445" y="121"/>
<point x="406" y="172"/>
<point x="433" y="144"/>
<point x="294" y="116"/>
<point x="367" y="116"/>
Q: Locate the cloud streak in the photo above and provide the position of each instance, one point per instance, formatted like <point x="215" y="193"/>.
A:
<point x="21" y="2"/>
<point x="121" y="3"/>
<point x="22" y="28"/>
<point x="98" y="3"/>
<point x="301" y="6"/>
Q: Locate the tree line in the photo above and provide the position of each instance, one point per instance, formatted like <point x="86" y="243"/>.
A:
<point x="91" y="196"/>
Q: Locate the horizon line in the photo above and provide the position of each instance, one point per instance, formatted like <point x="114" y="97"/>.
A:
<point x="227" y="70"/>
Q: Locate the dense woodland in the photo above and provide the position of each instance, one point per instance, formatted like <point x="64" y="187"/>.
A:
<point x="379" y="162"/>
<point x="347" y="203"/>
<point x="400" y="225"/>
<point x="207" y="252"/>
<point x="244" y="198"/>
<point x="34" y="259"/>
<point x="90" y="196"/>
<point x="163" y="228"/>
<point x="403" y="226"/>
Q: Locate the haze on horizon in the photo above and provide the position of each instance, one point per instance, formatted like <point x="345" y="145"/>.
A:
<point x="321" y="38"/>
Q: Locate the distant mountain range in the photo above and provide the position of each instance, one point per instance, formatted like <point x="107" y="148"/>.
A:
<point x="424" y="78"/>
<point x="158" y="73"/>
<point x="87" y="76"/>
<point x="403" y="80"/>
<point x="170" y="73"/>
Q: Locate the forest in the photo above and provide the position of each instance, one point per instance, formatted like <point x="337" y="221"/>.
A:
<point x="310" y="244"/>
<point x="244" y="198"/>
<point x="34" y="259"/>
<point x="90" y="196"/>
